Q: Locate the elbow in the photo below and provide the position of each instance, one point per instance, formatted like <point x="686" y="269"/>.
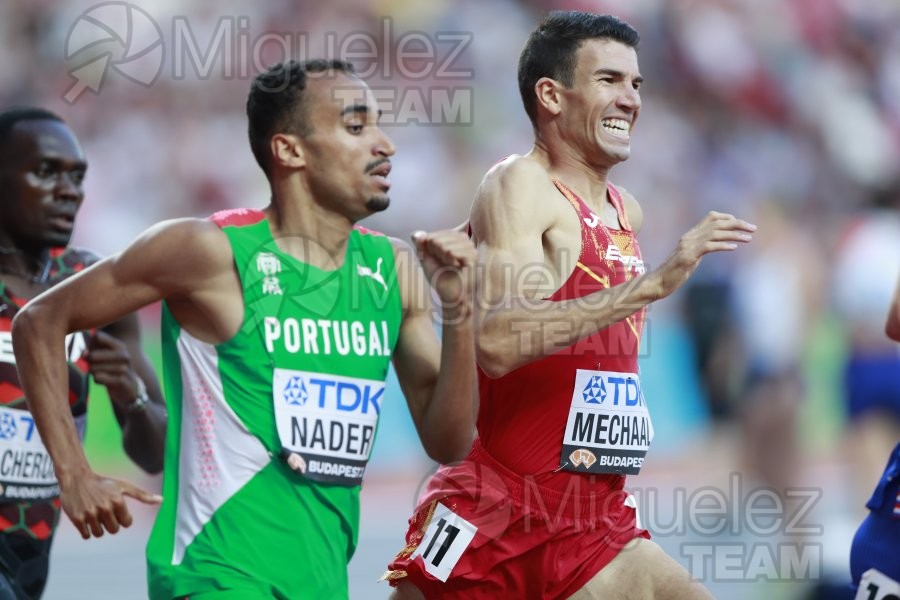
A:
<point x="492" y="361"/>
<point x="23" y="324"/>
<point x="451" y="451"/>
<point x="29" y="320"/>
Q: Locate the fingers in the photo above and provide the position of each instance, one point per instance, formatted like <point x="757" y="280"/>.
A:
<point x="449" y="247"/>
<point x="123" y="516"/>
<point x="115" y="356"/>
<point x="113" y="374"/>
<point x="101" y="340"/>
<point x="727" y="221"/>
<point x="730" y="235"/>
<point x="109" y="517"/>
<point x="93" y="525"/>
<point x="718" y="232"/>
<point x="137" y="493"/>
<point x="719" y="247"/>
<point x="101" y="507"/>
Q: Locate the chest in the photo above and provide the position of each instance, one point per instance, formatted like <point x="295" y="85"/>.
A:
<point x="581" y="236"/>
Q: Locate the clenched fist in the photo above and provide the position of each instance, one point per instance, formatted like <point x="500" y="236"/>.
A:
<point x="448" y="258"/>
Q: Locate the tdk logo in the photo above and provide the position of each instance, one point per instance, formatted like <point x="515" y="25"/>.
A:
<point x="595" y="390"/>
<point x="621" y="390"/>
<point x="295" y="391"/>
<point x="316" y="393"/>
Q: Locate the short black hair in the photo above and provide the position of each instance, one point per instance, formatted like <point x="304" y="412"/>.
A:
<point x="275" y="103"/>
<point x="13" y="115"/>
<point x="551" y="48"/>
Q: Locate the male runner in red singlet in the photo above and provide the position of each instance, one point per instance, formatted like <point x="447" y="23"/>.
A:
<point x="41" y="171"/>
<point x="538" y="510"/>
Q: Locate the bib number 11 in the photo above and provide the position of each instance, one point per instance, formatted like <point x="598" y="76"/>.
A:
<point x="447" y="537"/>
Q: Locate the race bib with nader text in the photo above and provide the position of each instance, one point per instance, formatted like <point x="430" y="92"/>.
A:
<point x="609" y="428"/>
<point x="326" y="423"/>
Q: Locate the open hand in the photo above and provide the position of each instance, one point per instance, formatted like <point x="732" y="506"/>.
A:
<point x="95" y="503"/>
<point x="717" y="232"/>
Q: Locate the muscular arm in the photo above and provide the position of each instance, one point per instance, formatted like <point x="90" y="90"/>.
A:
<point x="438" y="379"/>
<point x="143" y="429"/>
<point x="516" y="325"/>
<point x="892" y="327"/>
<point x="151" y="269"/>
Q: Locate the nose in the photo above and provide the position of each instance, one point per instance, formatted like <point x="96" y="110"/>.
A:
<point x="384" y="146"/>
<point x="68" y="187"/>
<point x="630" y="99"/>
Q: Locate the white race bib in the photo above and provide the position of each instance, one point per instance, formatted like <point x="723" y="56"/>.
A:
<point x="26" y="471"/>
<point x="875" y="585"/>
<point x="447" y="537"/>
<point x="326" y="423"/>
<point x="609" y="428"/>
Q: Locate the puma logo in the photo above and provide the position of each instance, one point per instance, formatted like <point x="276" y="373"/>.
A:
<point x="592" y="223"/>
<point x="364" y="271"/>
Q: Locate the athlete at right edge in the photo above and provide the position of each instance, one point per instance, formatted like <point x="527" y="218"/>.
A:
<point x="538" y="509"/>
<point x="873" y="555"/>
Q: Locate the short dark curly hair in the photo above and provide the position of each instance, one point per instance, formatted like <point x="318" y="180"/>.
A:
<point x="275" y="102"/>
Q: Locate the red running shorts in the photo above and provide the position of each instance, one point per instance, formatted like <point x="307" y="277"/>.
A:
<point x="482" y="531"/>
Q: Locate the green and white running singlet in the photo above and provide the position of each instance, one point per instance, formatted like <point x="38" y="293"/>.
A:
<point x="300" y="384"/>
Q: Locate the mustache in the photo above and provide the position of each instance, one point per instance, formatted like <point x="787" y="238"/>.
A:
<point x="376" y="163"/>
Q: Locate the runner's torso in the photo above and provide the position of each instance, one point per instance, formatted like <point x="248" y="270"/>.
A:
<point x="523" y="415"/>
<point x="303" y="377"/>
<point x="29" y="490"/>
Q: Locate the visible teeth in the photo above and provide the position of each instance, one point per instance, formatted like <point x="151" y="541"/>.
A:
<point x="617" y="125"/>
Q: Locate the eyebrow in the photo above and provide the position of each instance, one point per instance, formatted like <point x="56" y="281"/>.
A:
<point x="59" y="161"/>
<point x="618" y="74"/>
<point x="358" y="109"/>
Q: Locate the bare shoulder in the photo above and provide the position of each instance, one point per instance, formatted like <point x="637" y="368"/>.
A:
<point x="180" y="249"/>
<point x="203" y="239"/>
<point x="510" y="196"/>
<point x="516" y="176"/>
<point x="633" y="210"/>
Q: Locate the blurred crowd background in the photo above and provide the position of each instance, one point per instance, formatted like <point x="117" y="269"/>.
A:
<point x="784" y="112"/>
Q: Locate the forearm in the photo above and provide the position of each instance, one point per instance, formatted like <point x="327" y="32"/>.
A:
<point x="143" y="433"/>
<point x="516" y="330"/>
<point x="448" y="422"/>
<point x="38" y="342"/>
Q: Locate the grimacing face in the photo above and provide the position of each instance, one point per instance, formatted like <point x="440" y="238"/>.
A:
<point x="603" y="104"/>
<point x="347" y="153"/>
<point x="42" y="168"/>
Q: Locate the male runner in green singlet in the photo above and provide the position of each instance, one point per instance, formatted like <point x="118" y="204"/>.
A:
<point x="278" y="325"/>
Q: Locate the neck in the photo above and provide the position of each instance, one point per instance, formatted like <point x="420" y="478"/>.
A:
<point x="30" y="264"/>
<point x="305" y="229"/>
<point x="586" y="180"/>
